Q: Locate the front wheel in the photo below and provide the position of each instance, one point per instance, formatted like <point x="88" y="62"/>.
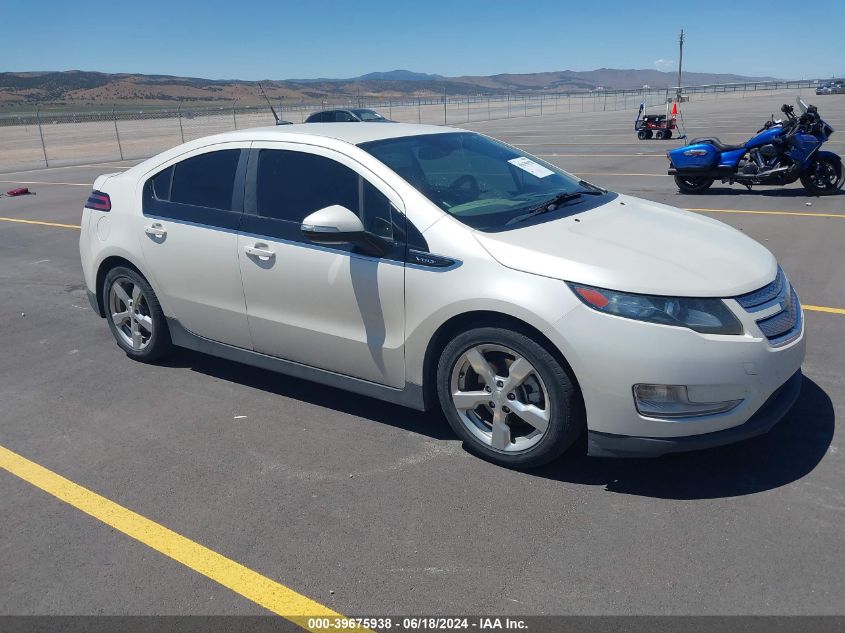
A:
<point x="508" y="398"/>
<point x="693" y="184"/>
<point x="824" y="176"/>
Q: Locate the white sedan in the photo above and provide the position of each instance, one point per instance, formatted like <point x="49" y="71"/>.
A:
<point x="431" y="266"/>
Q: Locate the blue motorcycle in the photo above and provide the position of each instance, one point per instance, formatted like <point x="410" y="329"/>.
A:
<point x="780" y="153"/>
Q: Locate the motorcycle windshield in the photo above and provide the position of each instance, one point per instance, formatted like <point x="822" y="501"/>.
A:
<point x="800" y="102"/>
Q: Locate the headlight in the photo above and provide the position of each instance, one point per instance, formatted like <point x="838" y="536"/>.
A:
<point x="708" y="316"/>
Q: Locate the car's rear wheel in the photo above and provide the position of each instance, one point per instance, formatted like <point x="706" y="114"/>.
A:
<point x="135" y="316"/>
<point x="693" y="184"/>
<point x="508" y="398"/>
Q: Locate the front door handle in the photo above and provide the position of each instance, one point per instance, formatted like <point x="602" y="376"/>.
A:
<point x="155" y="230"/>
<point x="259" y="250"/>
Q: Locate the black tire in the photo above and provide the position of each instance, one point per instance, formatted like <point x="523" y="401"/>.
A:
<point x="667" y="134"/>
<point x="659" y="135"/>
<point x="565" y="407"/>
<point x="824" y="177"/>
<point x="693" y="184"/>
<point x="642" y="135"/>
<point x="649" y="133"/>
<point x="158" y="343"/>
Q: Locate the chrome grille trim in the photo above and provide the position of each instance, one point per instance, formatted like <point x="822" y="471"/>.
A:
<point x="766" y="296"/>
<point x="784" y="326"/>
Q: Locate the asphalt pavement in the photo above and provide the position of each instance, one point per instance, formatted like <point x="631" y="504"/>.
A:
<point x="369" y="508"/>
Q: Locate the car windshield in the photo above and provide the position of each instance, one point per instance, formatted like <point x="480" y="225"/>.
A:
<point x="368" y="115"/>
<point x="482" y="182"/>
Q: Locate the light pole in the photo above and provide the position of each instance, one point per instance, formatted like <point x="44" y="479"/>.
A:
<point x="680" y="63"/>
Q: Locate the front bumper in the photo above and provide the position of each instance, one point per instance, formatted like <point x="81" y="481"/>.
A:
<point x="779" y="403"/>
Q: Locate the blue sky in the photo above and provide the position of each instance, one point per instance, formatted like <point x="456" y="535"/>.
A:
<point x="326" y="38"/>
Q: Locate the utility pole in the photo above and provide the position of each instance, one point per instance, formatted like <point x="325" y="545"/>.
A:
<point x="680" y="63"/>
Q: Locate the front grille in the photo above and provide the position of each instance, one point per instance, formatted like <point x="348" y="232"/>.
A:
<point x="785" y="325"/>
<point x="765" y="296"/>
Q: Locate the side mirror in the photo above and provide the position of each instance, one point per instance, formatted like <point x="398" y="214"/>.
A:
<point x="338" y="225"/>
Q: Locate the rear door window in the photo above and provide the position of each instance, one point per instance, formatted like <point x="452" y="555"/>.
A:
<point x="201" y="189"/>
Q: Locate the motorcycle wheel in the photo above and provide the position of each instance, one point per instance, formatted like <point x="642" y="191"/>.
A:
<point x="693" y="184"/>
<point x="824" y="177"/>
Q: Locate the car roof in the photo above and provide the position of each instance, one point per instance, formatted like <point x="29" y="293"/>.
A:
<point x="354" y="133"/>
<point x="326" y="134"/>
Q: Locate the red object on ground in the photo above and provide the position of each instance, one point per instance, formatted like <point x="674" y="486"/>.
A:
<point x="20" y="191"/>
<point x="675" y="109"/>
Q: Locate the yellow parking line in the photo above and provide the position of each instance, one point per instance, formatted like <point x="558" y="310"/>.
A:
<point x="824" y="309"/>
<point x="250" y="584"/>
<point x="43" y="182"/>
<point x="798" y="213"/>
<point x="42" y="223"/>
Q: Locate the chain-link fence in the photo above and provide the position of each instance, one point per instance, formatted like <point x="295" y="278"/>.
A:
<point x="48" y="137"/>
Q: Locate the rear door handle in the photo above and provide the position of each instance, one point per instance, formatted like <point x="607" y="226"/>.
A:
<point x="259" y="250"/>
<point x="155" y="230"/>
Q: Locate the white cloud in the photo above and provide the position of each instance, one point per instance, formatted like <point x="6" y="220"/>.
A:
<point x="664" y="64"/>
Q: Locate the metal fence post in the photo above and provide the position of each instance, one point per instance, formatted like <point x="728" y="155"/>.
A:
<point x="509" y="105"/>
<point x="41" y="134"/>
<point x="488" y="107"/>
<point x="234" y="117"/>
<point x="116" y="133"/>
<point x="419" y="110"/>
<point x="179" y="116"/>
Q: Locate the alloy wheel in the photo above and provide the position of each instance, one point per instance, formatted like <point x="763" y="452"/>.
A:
<point x="130" y="313"/>
<point x="500" y="398"/>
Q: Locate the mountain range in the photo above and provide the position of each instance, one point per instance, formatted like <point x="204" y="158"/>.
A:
<point x="86" y="87"/>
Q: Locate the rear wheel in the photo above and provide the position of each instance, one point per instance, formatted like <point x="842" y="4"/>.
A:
<point x="659" y="135"/>
<point x="508" y="398"/>
<point x="667" y="134"/>
<point x="135" y="316"/>
<point x="693" y="184"/>
<point x="824" y="176"/>
<point x="649" y="133"/>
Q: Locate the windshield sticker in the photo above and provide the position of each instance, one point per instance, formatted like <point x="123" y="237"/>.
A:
<point x="531" y="167"/>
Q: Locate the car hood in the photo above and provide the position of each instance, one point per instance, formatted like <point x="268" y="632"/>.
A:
<point x="638" y="246"/>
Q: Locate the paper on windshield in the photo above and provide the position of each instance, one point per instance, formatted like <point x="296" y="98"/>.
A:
<point x="531" y="167"/>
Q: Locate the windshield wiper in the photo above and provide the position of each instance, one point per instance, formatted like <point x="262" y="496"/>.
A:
<point x="554" y="203"/>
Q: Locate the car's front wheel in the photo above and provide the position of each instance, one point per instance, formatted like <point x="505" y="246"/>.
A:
<point x="135" y="316"/>
<point x="508" y="398"/>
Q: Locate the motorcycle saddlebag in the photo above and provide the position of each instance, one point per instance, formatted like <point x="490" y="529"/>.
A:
<point x="698" y="156"/>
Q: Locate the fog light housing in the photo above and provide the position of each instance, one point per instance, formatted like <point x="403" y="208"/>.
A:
<point x="672" y="401"/>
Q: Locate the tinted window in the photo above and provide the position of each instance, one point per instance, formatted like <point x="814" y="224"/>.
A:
<point x="343" y="117"/>
<point x="161" y="184"/>
<point x="480" y="181"/>
<point x="292" y="185"/>
<point x="204" y="181"/>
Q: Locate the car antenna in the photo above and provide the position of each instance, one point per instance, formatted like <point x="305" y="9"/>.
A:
<point x="275" y="116"/>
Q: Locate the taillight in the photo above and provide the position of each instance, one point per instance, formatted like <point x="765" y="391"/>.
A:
<point x="98" y="201"/>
